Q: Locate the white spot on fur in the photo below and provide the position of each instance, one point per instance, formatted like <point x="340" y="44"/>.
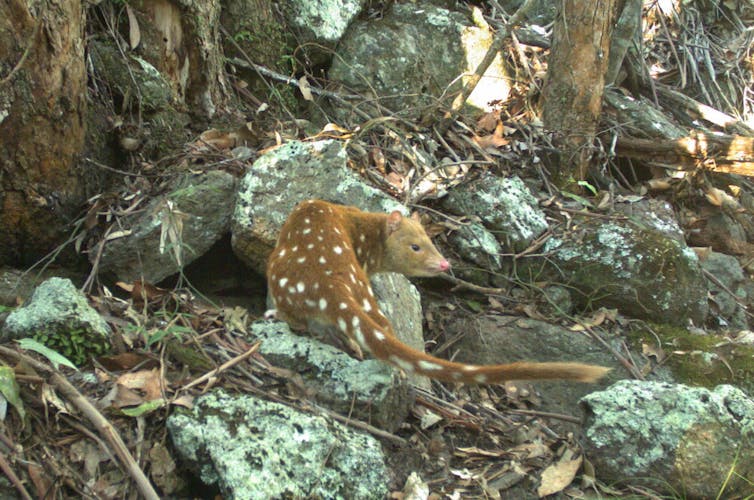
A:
<point x="310" y="246"/>
<point x="306" y="231"/>
<point x="342" y="324"/>
<point x="367" y="305"/>
<point x="355" y="321"/>
<point x="428" y="365"/>
<point x="320" y="238"/>
<point x="301" y="260"/>
<point x="310" y="303"/>
<point x="379" y="335"/>
<point x="307" y="221"/>
<point x="295" y="248"/>
<point x="343" y="305"/>
<point x="360" y="338"/>
<point x="353" y="278"/>
<point x="470" y="368"/>
<point x="322" y="304"/>
<point x="369" y="289"/>
<point x="282" y="282"/>
<point x="337" y="231"/>
<point x="480" y="378"/>
<point x="337" y="249"/>
<point x="292" y="289"/>
<point x="281" y="253"/>
<point x="322" y="260"/>
<point x="362" y="238"/>
<point x="315" y="286"/>
<point x="405" y="365"/>
<point x="300" y="286"/>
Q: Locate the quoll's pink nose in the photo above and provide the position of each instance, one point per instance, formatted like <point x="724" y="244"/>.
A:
<point x="444" y="265"/>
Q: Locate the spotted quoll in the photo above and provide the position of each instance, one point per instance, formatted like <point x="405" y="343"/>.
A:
<point x="319" y="272"/>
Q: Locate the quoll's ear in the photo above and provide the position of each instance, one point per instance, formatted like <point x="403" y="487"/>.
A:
<point x="415" y="216"/>
<point x="394" y="221"/>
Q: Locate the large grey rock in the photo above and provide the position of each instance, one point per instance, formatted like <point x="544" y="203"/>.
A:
<point x="59" y="316"/>
<point x="681" y="440"/>
<point x="369" y="390"/>
<point x="488" y="339"/>
<point x="321" y="21"/>
<point x="255" y="449"/>
<point x="283" y="177"/>
<point x="506" y="207"/>
<point x="414" y="54"/>
<point x="197" y="211"/>
<point x="636" y="268"/>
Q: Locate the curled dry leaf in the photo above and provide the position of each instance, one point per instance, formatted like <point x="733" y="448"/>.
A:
<point x="557" y="476"/>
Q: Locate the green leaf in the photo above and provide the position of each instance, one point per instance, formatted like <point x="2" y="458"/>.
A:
<point x="474" y="305"/>
<point x="144" y="408"/>
<point x="11" y="392"/>
<point x="588" y="186"/>
<point x="579" y="199"/>
<point x="55" y="358"/>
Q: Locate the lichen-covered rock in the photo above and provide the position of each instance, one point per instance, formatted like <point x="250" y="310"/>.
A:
<point x="321" y="21"/>
<point x="59" y="316"/>
<point x="193" y="216"/>
<point x="415" y="54"/>
<point x="255" y="449"/>
<point x="369" y="390"/>
<point x="280" y="179"/>
<point x="642" y="271"/>
<point x="728" y="290"/>
<point x="505" y="206"/>
<point x="682" y="440"/>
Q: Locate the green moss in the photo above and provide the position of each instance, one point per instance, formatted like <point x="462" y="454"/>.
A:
<point x="701" y="360"/>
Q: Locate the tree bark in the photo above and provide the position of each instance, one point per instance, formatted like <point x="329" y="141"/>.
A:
<point x="575" y="83"/>
<point x="42" y="110"/>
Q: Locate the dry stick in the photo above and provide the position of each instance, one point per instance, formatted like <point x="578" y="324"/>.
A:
<point x="104" y="427"/>
<point x="222" y="367"/>
<point x="13" y="478"/>
<point x="495" y="46"/>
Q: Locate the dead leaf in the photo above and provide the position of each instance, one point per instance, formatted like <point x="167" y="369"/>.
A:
<point x="305" y="88"/>
<point x="488" y="122"/>
<point x="134" y="33"/>
<point x="654" y="351"/>
<point x="162" y="469"/>
<point x="186" y="401"/>
<point x="557" y="476"/>
<point x="146" y="381"/>
<point x="235" y="319"/>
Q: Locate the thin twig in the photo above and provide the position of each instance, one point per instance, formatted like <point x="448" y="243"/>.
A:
<point x="228" y="364"/>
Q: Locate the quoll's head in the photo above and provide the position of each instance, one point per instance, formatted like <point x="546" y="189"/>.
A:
<point x="408" y="249"/>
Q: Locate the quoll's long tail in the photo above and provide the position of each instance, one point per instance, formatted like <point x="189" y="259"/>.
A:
<point x="384" y="345"/>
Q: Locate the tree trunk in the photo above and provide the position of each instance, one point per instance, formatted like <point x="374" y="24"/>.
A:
<point x="575" y="82"/>
<point x="42" y="110"/>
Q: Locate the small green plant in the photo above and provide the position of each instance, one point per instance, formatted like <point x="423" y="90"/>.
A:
<point x="76" y="344"/>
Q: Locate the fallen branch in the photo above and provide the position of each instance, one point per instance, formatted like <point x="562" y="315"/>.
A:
<point x="715" y="152"/>
<point x="103" y="426"/>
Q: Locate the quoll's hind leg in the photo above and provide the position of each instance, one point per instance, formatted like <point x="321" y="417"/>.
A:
<point x="332" y="335"/>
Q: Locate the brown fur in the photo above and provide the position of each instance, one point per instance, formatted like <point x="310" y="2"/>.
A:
<point x="319" y="272"/>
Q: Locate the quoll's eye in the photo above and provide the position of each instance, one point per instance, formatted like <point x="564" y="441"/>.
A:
<point x="415" y="247"/>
